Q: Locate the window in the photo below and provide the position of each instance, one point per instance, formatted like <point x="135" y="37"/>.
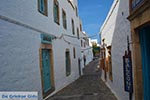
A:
<point x="81" y="43"/>
<point x="56" y="11"/>
<point x="76" y="11"/>
<point x="78" y="33"/>
<point x="64" y="19"/>
<point x="135" y="3"/>
<point x="68" y="63"/>
<point x="71" y="3"/>
<point x="88" y="42"/>
<point x="73" y="31"/>
<point x="84" y="44"/>
<point x="74" y="52"/>
<point x="42" y="7"/>
<point x="80" y="27"/>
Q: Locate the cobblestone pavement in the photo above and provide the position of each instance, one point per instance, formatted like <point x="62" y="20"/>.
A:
<point x="87" y="87"/>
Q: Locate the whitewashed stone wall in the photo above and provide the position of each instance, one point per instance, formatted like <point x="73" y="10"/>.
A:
<point x="115" y="30"/>
<point x="19" y="59"/>
<point x="87" y="50"/>
<point x="19" y="45"/>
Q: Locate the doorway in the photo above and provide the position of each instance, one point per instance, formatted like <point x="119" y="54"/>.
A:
<point x="145" y="51"/>
<point x="79" y="65"/>
<point x="46" y="70"/>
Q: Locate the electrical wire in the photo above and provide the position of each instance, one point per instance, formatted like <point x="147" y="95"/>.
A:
<point x="80" y="37"/>
<point x="70" y="42"/>
<point x="86" y="49"/>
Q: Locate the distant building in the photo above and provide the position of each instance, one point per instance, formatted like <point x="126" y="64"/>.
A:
<point x="140" y="31"/>
<point x="95" y="47"/>
<point x="94" y="42"/>
<point x="114" y="33"/>
<point x="86" y="49"/>
<point x="39" y="41"/>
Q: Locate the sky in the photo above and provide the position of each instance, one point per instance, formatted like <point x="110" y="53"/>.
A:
<point x="93" y="14"/>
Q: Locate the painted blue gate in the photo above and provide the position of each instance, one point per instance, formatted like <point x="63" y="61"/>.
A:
<point x="46" y="69"/>
<point x="145" y="48"/>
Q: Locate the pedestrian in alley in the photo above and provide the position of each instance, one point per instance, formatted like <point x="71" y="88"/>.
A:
<point x="84" y="58"/>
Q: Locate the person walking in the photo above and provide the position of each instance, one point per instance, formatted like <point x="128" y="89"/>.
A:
<point x="84" y="58"/>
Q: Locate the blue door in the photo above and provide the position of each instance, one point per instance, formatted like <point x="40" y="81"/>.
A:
<point x="145" y="48"/>
<point x="46" y="70"/>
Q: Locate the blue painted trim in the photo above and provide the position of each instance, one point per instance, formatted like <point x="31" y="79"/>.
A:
<point x="46" y="70"/>
<point x="42" y="6"/>
<point x="145" y="50"/>
<point x="46" y="39"/>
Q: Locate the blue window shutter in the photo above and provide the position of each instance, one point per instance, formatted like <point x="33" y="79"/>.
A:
<point x="55" y="13"/>
<point x="41" y="6"/>
<point x="68" y="63"/>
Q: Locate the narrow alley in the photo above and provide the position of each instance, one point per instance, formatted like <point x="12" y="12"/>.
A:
<point x="87" y="87"/>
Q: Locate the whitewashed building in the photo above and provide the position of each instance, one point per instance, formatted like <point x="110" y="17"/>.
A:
<point x="86" y="50"/>
<point x="89" y="50"/>
<point x="37" y="48"/>
<point x="114" y="32"/>
<point x="95" y="41"/>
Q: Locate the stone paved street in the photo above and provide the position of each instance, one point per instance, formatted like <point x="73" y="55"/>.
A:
<point x="87" y="87"/>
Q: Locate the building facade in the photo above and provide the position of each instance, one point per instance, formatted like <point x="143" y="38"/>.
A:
<point x="140" y="32"/>
<point x="86" y="50"/>
<point x="96" y="48"/>
<point x="38" y="49"/>
<point x="114" y="33"/>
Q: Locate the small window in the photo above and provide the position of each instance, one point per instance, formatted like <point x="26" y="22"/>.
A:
<point x="68" y="63"/>
<point x="73" y="31"/>
<point x="64" y="19"/>
<point x="88" y="43"/>
<point x="56" y="11"/>
<point x="78" y="33"/>
<point x="81" y="43"/>
<point x="76" y="11"/>
<point x="80" y="27"/>
<point x="74" y="53"/>
<point x="42" y="7"/>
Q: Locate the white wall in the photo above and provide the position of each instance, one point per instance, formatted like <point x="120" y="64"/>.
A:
<point x="87" y="50"/>
<point x="27" y="13"/>
<point x="115" y="32"/>
<point x="19" y="53"/>
<point x="19" y="59"/>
